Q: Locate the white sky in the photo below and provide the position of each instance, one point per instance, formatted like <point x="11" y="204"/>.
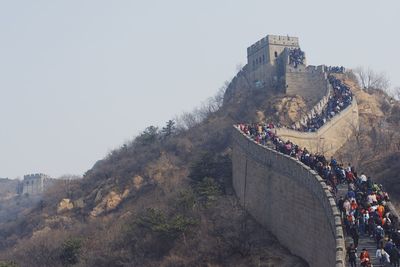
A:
<point x="79" y="78"/>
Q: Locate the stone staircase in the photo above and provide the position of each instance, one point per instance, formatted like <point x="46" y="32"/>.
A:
<point x="365" y="241"/>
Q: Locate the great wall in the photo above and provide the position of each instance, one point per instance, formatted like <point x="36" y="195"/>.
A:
<point x="330" y="137"/>
<point x="280" y="192"/>
<point x="289" y="199"/>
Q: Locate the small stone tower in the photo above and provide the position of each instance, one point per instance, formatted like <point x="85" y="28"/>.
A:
<point x="268" y="49"/>
<point x="35" y="183"/>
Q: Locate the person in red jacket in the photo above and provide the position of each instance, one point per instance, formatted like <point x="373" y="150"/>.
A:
<point x="365" y="259"/>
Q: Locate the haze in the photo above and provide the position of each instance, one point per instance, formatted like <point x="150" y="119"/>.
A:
<point x="79" y="78"/>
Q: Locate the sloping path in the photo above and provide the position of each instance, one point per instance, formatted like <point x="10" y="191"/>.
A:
<point x="365" y="241"/>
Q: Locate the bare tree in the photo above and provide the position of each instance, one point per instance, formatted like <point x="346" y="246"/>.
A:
<point x="396" y="92"/>
<point x="188" y="120"/>
<point x="371" y="80"/>
<point x="219" y="96"/>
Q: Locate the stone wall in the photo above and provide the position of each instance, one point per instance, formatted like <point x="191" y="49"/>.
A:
<point x="8" y="187"/>
<point x="310" y="83"/>
<point x="266" y="75"/>
<point x="319" y="107"/>
<point x="290" y="199"/>
<point x="330" y="137"/>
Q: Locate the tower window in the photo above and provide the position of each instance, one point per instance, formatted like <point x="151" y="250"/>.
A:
<point x="276" y="54"/>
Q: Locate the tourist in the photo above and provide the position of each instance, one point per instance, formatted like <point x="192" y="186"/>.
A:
<point x="394" y="257"/>
<point x="365" y="259"/>
<point x="296" y="57"/>
<point x="382" y="256"/>
<point x="352" y="253"/>
<point x="396" y="238"/>
<point x="354" y="235"/>
<point x="340" y="206"/>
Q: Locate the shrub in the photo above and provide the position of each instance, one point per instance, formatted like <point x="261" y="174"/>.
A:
<point x="207" y="190"/>
<point x="156" y="221"/>
<point x="185" y="200"/>
<point x="70" y="251"/>
<point x="219" y="167"/>
<point x="8" y="264"/>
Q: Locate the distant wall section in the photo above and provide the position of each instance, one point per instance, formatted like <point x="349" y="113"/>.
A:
<point x="8" y="187"/>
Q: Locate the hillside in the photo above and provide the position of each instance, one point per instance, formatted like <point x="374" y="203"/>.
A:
<point x="8" y="188"/>
<point x="164" y="199"/>
<point x="375" y="150"/>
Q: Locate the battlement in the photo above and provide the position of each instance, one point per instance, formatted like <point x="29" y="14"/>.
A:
<point x="286" y="41"/>
<point x="283" y="40"/>
<point x="307" y="69"/>
<point x="35" y="176"/>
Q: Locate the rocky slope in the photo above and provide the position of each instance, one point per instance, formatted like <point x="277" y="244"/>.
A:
<point x="163" y="199"/>
<point x="375" y="150"/>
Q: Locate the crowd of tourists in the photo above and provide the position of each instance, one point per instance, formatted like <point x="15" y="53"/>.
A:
<point x="365" y="213"/>
<point x="363" y="209"/>
<point x="336" y="69"/>
<point x="340" y="99"/>
<point x="296" y="57"/>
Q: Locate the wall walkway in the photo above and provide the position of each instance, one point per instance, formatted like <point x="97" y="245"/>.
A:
<point x="330" y="137"/>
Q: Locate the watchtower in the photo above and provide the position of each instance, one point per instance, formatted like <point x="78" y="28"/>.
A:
<point x="35" y="183"/>
<point x="269" y="49"/>
<point x="277" y="62"/>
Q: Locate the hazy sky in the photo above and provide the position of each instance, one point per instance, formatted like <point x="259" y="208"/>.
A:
<point x="79" y="78"/>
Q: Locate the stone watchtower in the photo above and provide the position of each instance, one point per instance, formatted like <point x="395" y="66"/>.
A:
<point x="277" y="62"/>
<point x="268" y="49"/>
<point x="266" y="58"/>
<point x="35" y="183"/>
